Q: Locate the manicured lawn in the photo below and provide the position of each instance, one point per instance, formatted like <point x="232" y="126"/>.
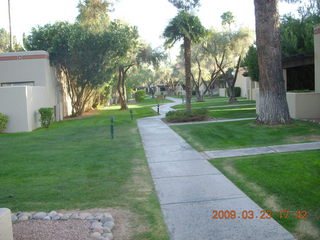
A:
<point x="243" y="134"/>
<point x="148" y="102"/>
<point x="281" y="182"/>
<point x="215" y="101"/>
<point x="75" y="165"/>
<point x="233" y="112"/>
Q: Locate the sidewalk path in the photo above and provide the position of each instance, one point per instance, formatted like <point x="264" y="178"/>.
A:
<point x="261" y="150"/>
<point x="190" y="189"/>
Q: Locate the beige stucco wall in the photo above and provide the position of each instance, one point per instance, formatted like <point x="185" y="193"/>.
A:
<point x="13" y="103"/>
<point x="21" y="103"/>
<point x="304" y="105"/>
<point x="317" y="57"/>
<point x="222" y="92"/>
<point x="33" y="70"/>
<point x="5" y="224"/>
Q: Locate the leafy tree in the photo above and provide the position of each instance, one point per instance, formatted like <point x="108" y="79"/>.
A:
<point x="227" y="49"/>
<point x="5" y="42"/>
<point x="227" y="19"/>
<point x="185" y="5"/>
<point x="136" y="55"/>
<point x="273" y="106"/>
<point x="297" y="34"/>
<point x="189" y="28"/>
<point x="251" y="63"/>
<point x="84" y="59"/>
<point x="94" y="14"/>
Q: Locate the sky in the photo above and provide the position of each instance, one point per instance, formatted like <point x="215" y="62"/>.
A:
<point x="151" y="16"/>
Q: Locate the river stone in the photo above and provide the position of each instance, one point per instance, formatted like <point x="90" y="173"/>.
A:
<point x="23" y="217"/>
<point x="106" y="229"/>
<point x="84" y="215"/>
<point x="74" y="216"/>
<point x="56" y="217"/>
<point x="107" y="219"/>
<point x="39" y="215"/>
<point x="98" y="216"/>
<point x="109" y="236"/>
<point x="110" y="224"/>
<point x="96" y="224"/>
<point x="14" y="218"/>
<point x="52" y="213"/>
<point x="95" y="234"/>
<point x="47" y="218"/>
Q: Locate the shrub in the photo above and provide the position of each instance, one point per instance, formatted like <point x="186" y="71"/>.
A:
<point x="3" y="122"/>
<point x="237" y="92"/>
<point x="184" y="116"/>
<point x="140" y="95"/>
<point x="46" y="115"/>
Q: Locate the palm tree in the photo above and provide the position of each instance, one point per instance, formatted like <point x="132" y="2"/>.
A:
<point x="10" y="32"/>
<point x="273" y="106"/>
<point x="189" y="28"/>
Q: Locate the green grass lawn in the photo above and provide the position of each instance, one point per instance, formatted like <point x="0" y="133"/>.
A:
<point x="148" y="102"/>
<point x="215" y="101"/>
<point x="75" y="165"/>
<point x="233" y="112"/>
<point x="242" y="134"/>
<point x="284" y="181"/>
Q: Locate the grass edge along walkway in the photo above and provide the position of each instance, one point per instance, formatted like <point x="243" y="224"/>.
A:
<point x="189" y="189"/>
<point x="283" y="183"/>
<point x="76" y="165"/>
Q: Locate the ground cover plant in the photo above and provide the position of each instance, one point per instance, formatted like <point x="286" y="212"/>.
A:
<point x="243" y="134"/>
<point x="281" y="182"/>
<point x="76" y="165"/>
<point x="184" y="116"/>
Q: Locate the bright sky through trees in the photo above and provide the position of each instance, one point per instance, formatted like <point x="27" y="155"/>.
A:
<point x="151" y="16"/>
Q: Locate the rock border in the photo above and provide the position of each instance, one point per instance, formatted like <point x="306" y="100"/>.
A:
<point x="101" y="224"/>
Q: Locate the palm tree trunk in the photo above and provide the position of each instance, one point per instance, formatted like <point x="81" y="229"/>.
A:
<point x="273" y="106"/>
<point x="187" y="65"/>
<point x="10" y="30"/>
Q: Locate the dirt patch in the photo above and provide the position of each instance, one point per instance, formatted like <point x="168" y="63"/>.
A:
<point x="312" y="138"/>
<point x="51" y="230"/>
<point x="306" y="228"/>
<point x="270" y="201"/>
<point x="84" y="115"/>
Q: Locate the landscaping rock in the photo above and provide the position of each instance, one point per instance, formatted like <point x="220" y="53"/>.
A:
<point x="39" y="215"/>
<point x="47" y="218"/>
<point x="96" y="224"/>
<point x="23" y="217"/>
<point x="109" y="225"/>
<point x="14" y="218"/>
<point x="109" y="236"/>
<point x="56" y="217"/>
<point x="107" y="219"/>
<point x="52" y="213"/>
<point x="74" y="216"/>
<point x="84" y="215"/>
<point x="95" y="234"/>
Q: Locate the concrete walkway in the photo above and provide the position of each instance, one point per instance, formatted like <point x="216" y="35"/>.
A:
<point x="261" y="150"/>
<point x="190" y="189"/>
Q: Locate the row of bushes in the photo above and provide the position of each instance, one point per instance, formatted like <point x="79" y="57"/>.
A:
<point x="3" y="122"/>
<point x="46" y="116"/>
<point x="184" y="116"/>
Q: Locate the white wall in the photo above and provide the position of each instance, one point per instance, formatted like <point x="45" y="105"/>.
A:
<point x="13" y="103"/>
<point x="317" y="57"/>
<point x="21" y="103"/>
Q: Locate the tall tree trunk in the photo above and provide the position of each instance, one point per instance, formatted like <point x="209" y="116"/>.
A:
<point x="273" y="106"/>
<point x="187" y="65"/>
<point x="122" y="89"/>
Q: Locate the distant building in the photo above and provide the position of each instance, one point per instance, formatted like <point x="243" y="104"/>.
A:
<point x="28" y="83"/>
